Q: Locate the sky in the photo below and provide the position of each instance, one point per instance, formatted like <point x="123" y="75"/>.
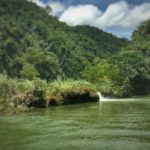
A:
<point x="119" y="17"/>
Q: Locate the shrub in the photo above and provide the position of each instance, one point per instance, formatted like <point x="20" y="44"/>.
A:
<point x="11" y="87"/>
<point x="70" y="92"/>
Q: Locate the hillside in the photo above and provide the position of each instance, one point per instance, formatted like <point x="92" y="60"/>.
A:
<point x="127" y="72"/>
<point x="34" y="44"/>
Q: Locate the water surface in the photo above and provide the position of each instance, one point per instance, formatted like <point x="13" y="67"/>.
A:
<point x="122" y="124"/>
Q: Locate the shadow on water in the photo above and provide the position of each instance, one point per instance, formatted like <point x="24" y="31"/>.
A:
<point x="113" y="124"/>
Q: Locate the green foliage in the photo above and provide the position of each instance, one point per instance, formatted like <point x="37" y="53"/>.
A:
<point x="11" y="87"/>
<point x="105" y="75"/>
<point x="29" y="35"/>
<point x="70" y="91"/>
<point x="127" y="72"/>
<point x="101" y="72"/>
<point x="40" y="93"/>
<point x="29" y="72"/>
<point x="39" y="63"/>
<point x="141" y="38"/>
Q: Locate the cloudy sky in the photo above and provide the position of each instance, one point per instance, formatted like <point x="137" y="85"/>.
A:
<point x="119" y="17"/>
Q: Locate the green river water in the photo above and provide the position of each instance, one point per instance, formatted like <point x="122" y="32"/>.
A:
<point x="117" y="124"/>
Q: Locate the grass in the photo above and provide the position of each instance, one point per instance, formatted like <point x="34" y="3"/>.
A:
<point x="70" y="92"/>
<point x="40" y="93"/>
<point x="11" y="87"/>
<point x="12" y="92"/>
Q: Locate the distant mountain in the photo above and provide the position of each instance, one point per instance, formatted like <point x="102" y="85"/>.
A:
<point x="34" y="44"/>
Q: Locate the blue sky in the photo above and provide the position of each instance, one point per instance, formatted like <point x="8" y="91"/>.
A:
<point x="119" y="17"/>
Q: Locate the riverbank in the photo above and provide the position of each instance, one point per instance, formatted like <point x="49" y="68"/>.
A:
<point x="21" y="95"/>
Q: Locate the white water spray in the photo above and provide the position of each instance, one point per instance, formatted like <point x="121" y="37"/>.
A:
<point x="101" y="97"/>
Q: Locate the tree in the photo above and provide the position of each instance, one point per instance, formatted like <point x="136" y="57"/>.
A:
<point x="29" y="72"/>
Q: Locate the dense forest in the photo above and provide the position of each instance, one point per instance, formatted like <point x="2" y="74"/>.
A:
<point x="127" y="72"/>
<point x="36" y="46"/>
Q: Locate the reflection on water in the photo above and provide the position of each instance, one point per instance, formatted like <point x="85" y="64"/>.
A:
<point x="114" y="124"/>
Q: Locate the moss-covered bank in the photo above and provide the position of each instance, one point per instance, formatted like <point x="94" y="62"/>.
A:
<point x="70" y="92"/>
<point x="21" y="95"/>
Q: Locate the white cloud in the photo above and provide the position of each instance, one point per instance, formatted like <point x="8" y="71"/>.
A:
<point x="113" y="15"/>
<point x="81" y="15"/>
<point x="124" y="15"/>
<point x="37" y="2"/>
<point x="137" y="15"/>
<point x="57" y="8"/>
<point x="120" y="14"/>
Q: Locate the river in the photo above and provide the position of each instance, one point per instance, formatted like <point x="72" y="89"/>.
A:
<point x="116" y="124"/>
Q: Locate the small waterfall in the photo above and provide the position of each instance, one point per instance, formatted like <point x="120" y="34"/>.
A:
<point x="101" y="97"/>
